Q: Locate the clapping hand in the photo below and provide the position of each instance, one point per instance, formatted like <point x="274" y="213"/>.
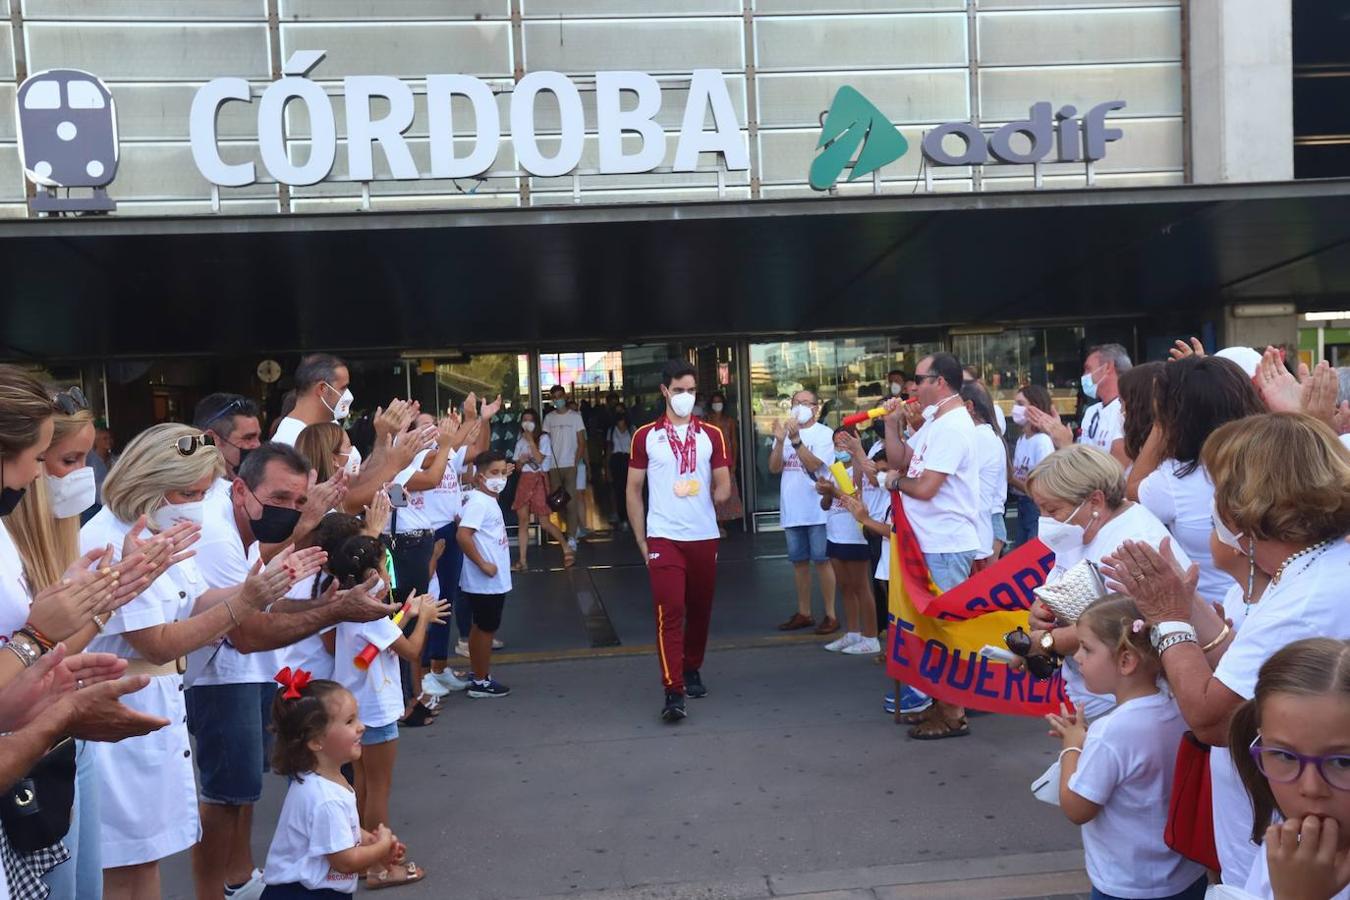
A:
<point x="54" y="674"/>
<point x="363" y="603"/>
<point x="433" y="607"/>
<point x="1277" y="387"/>
<point x="394" y="418"/>
<point x="299" y="564"/>
<point x="61" y="609"/>
<point x="1181" y="349"/>
<point x="1068" y="726"/>
<point x="1046" y="423"/>
<point x="97" y="714"/>
<point x="491" y="409"/>
<point x="1161" y="589"/>
<point x="377" y="513"/>
<point x="322" y="497"/>
<point x="263" y="587"/>
<point x="1319" y="393"/>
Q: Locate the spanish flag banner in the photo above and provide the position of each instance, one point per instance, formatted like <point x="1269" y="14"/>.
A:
<point x="935" y="637"/>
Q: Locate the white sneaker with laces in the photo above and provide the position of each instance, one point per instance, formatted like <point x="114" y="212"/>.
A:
<point x="842" y="644"/>
<point x="251" y="890"/>
<point x="498" y="644"/>
<point x="445" y="682"/>
<point x="863" y="647"/>
<point x="462" y="649"/>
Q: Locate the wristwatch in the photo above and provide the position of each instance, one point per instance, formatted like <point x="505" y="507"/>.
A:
<point x="1159" y="633"/>
<point x="797" y="443"/>
<point x="1048" y="641"/>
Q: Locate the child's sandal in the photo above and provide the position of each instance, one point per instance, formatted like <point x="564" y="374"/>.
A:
<point x="410" y="871"/>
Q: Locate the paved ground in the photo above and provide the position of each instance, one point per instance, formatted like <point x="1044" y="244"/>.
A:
<point x="788" y="780"/>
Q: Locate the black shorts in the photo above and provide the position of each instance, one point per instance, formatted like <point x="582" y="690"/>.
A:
<point x="485" y="610"/>
<point x="847" y="552"/>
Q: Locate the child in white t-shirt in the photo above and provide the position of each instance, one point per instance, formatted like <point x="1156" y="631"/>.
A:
<point x="1291" y="746"/>
<point x="1116" y="777"/>
<point x="319" y="848"/>
<point x="375" y="681"/>
<point x="847" y="549"/>
<point x="485" y="579"/>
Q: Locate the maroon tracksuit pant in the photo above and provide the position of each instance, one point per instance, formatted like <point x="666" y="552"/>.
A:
<point x="684" y="575"/>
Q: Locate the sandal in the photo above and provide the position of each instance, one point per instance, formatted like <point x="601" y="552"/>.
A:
<point x="419" y="717"/>
<point x="411" y="873"/>
<point x="938" y="728"/>
<point x="518" y="567"/>
<point x="569" y="558"/>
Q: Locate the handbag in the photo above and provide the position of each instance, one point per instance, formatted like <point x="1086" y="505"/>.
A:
<point x="558" y="498"/>
<point x="1190" y="810"/>
<point x="1081" y="586"/>
<point x="36" y="810"/>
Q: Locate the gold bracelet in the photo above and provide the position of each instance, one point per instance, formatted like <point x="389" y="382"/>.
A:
<point x="1227" y="629"/>
<point x="229" y="609"/>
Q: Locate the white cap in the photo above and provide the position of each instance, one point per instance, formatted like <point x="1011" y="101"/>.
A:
<point x="1247" y="359"/>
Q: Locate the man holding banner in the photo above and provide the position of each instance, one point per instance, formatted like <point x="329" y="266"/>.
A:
<point x="941" y="497"/>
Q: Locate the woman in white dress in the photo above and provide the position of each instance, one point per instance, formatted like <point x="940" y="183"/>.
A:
<point x="148" y="796"/>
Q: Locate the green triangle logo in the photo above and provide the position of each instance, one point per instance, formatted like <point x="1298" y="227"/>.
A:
<point x="853" y="122"/>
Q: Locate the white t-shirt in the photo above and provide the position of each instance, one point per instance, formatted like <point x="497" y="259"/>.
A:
<point x="798" y="502"/>
<point x="1185" y="505"/>
<point x="317" y="818"/>
<point x="1027" y="455"/>
<point x="522" y="452"/>
<point x="288" y="429"/>
<point x="1126" y="768"/>
<point x="1000" y="419"/>
<point x="14" y="596"/>
<point x="378" y="690"/>
<point x="992" y="454"/>
<point x="621" y="441"/>
<point x="483" y="514"/>
<point x="308" y="653"/>
<point x="1135" y="523"/>
<point x="563" y="427"/>
<point x="1103" y="425"/>
<point x="691" y="517"/>
<point x="225" y="563"/>
<point x="1229" y="803"/>
<point x="949" y="523"/>
<point x="1308" y="601"/>
<point x="443" y="502"/>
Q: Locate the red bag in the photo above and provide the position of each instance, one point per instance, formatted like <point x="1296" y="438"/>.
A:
<point x="1190" y="812"/>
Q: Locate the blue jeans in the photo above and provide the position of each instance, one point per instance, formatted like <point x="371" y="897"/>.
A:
<point x="1028" y="519"/>
<point x="1195" y="892"/>
<point x="806" y="542"/>
<point x="230" y="723"/>
<point x="448" y="568"/>
<point x="81" y="876"/>
<point x="949" y="569"/>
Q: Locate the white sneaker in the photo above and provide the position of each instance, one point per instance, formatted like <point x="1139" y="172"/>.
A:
<point x="572" y="544"/>
<point x="864" y="647"/>
<point x="438" y="684"/>
<point x="251" y="890"/>
<point x="498" y="644"/>
<point x="462" y="649"/>
<point x="842" y="644"/>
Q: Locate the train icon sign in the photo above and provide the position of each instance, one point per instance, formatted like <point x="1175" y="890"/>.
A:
<point x="67" y="139"/>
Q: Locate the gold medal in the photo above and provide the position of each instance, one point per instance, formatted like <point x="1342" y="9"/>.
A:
<point x="693" y="487"/>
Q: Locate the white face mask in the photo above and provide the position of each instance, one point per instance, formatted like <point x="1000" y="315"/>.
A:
<point x="881" y="479"/>
<point x="495" y="485"/>
<point x="1019" y="415"/>
<point x="897" y="389"/>
<point x="527" y="426"/>
<point x="354" y="462"/>
<point x="72" y="493"/>
<point x="1225" y="534"/>
<point x="718" y="407"/>
<point x="803" y="414"/>
<point x="682" y="404"/>
<point x="1061" y="536"/>
<point x="930" y="412"/>
<point x="343" y="405"/>
<point x="170" y="514"/>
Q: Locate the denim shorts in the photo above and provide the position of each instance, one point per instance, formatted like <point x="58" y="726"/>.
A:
<point x="806" y="542"/>
<point x="847" y="552"/>
<point x="229" y="722"/>
<point x="949" y="569"/>
<point x="382" y="734"/>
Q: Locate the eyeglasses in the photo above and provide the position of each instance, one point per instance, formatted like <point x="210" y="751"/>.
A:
<point x="1039" y="665"/>
<point x="70" y="401"/>
<point x="1285" y="766"/>
<point x="236" y="403"/>
<point x="190" y="443"/>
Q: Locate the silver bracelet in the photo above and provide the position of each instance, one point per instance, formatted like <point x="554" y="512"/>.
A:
<point x="25" y="652"/>
<point x="1172" y="640"/>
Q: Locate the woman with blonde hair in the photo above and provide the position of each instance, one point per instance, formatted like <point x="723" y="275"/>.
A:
<point x="328" y="449"/>
<point x="148" y="798"/>
<point x="1282" y="499"/>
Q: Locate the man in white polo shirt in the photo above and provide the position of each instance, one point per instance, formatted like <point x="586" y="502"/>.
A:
<point x="566" y="432"/>
<point x="941" y="493"/>
<point x="1103" y="424"/>
<point x="683" y="463"/>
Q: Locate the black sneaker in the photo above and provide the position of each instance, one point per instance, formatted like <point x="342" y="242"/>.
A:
<point x="486" y="690"/>
<point x="674" y="710"/>
<point x="693" y="685"/>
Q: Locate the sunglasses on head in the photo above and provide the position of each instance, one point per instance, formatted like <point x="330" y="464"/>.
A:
<point x="1040" y="666"/>
<point x="191" y="443"/>
<point x="227" y="409"/>
<point x="70" y="401"/>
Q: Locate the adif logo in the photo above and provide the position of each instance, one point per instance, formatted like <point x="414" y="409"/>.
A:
<point x="854" y="124"/>
<point x="67" y="138"/>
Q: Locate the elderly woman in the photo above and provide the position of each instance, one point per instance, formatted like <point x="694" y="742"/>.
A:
<point x="148" y="797"/>
<point x="1084" y="515"/>
<point x="1282" y="497"/>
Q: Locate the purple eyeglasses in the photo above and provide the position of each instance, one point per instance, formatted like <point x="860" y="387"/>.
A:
<point x="1285" y="766"/>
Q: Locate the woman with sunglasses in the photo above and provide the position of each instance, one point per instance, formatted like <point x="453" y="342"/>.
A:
<point x="148" y="800"/>
<point x="1281" y="498"/>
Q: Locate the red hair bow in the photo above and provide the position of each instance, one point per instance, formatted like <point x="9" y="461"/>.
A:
<point x="293" y="682"/>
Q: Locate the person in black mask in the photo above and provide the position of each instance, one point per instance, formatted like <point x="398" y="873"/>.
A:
<point x="232" y="422"/>
<point x="262" y="505"/>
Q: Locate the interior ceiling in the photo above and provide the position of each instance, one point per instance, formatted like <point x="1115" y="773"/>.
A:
<point x="108" y="287"/>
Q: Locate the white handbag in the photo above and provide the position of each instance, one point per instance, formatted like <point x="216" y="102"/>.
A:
<point x="1081" y="586"/>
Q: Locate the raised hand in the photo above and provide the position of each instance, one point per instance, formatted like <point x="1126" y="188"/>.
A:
<point x="394" y="418"/>
<point x="1319" y="393"/>
<point x="1068" y="726"/>
<point x="264" y="587"/>
<point x="322" y="497"/>
<point x="1060" y="434"/>
<point x="1161" y="589"/>
<point x="1277" y="387"/>
<point x="779" y="431"/>
<point x="470" y="407"/>
<point x="377" y="514"/>
<point x="491" y="409"/>
<point x="1181" y="349"/>
<point x="61" y="609"/>
<point x="299" y="564"/>
<point x="410" y="443"/>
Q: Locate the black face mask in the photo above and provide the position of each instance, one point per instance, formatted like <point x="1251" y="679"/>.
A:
<point x="9" y="497"/>
<point x="276" y="523"/>
<point x="243" y="454"/>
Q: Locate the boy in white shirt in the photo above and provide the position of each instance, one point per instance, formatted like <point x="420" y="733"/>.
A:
<point x="485" y="579"/>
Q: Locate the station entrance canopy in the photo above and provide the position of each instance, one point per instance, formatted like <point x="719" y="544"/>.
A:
<point x="103" y="287"/>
